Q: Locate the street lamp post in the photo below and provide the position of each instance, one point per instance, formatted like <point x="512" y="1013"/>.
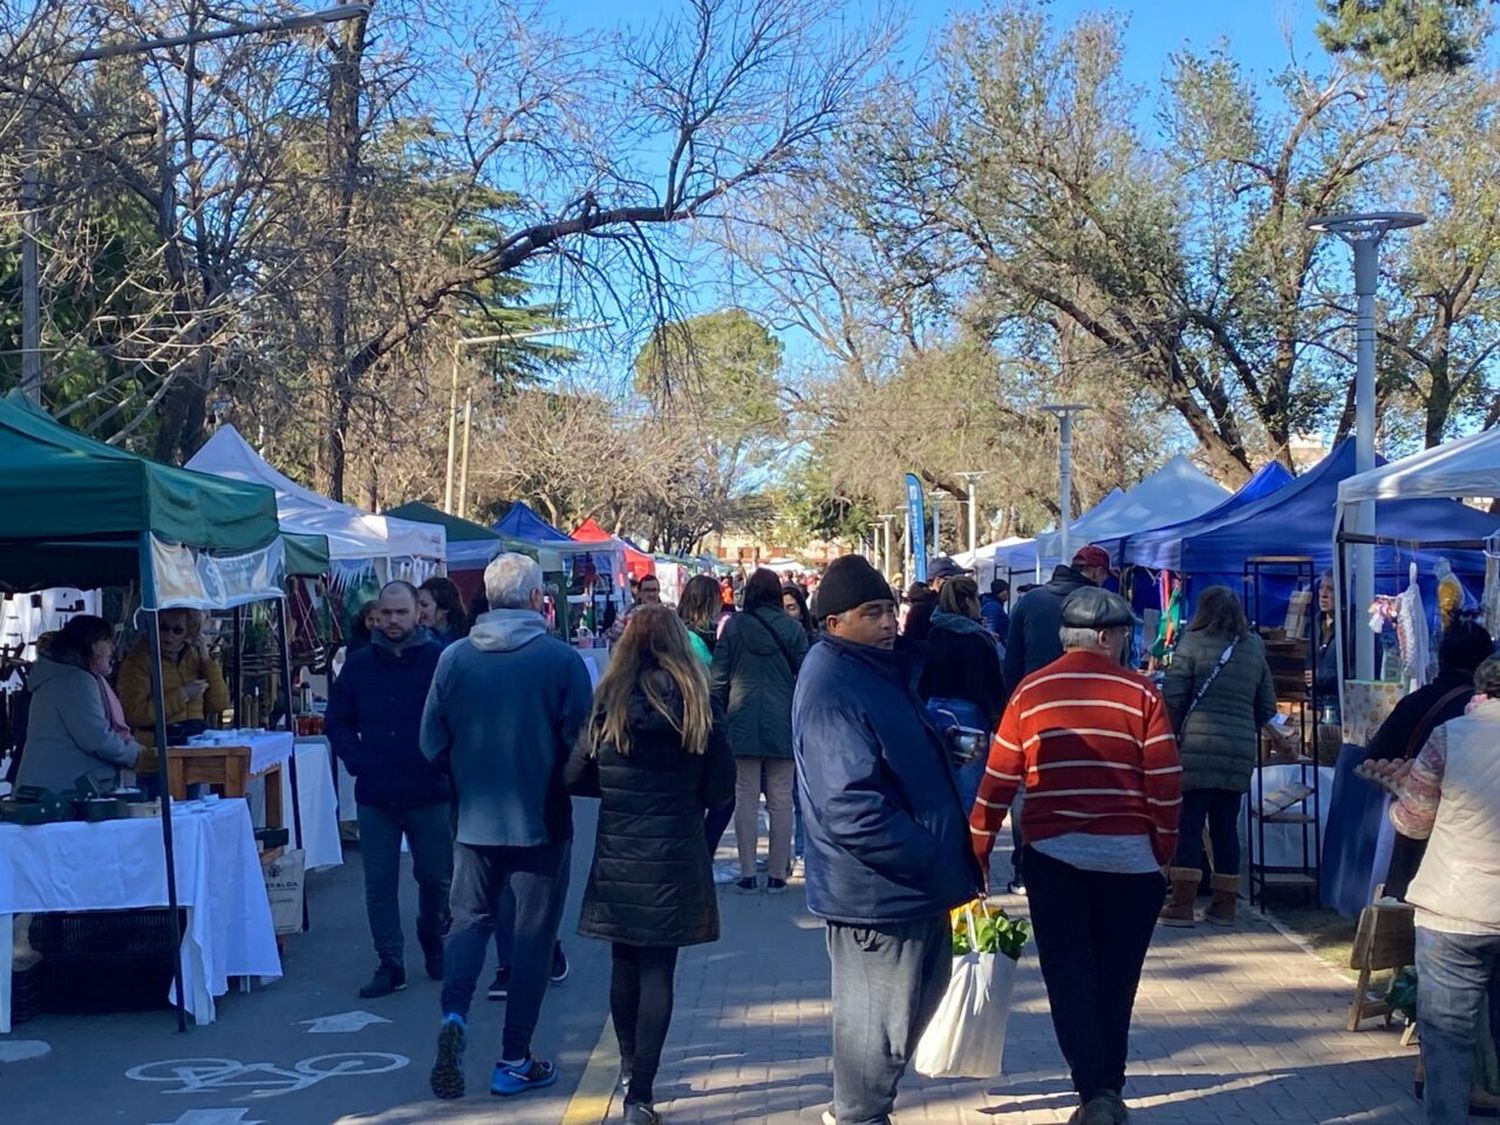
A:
<point x="1065" y="412"/>
<point x="886" y="519"/>
<point x="1364" y="232"/>
<point x="971" y="479"/>
<point x="459" y="345"/>
<point x="31" y="300"/>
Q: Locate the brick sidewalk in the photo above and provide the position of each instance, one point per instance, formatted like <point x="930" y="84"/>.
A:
<point x="1235" y="1026"/>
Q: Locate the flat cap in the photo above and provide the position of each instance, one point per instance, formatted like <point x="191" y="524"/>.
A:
<point x="1089" y="607"/>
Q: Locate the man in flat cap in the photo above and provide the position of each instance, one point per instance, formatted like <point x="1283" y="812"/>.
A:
<point x="888" y="848"/>
<point x="1094" y="746"/>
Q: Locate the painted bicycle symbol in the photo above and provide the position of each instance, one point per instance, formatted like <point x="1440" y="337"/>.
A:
<point x="263" y="1079"/>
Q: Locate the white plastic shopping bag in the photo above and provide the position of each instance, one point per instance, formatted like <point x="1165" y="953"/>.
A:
<point x="966" y="1038"/>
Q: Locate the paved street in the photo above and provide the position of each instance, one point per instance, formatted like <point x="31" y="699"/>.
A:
<point x="1235" y="1027"/>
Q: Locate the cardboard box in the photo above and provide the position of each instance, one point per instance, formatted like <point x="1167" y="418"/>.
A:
<point x="285" y="878"/>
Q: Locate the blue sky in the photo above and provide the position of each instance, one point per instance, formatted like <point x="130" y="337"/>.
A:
<point x="1255" y="32"/>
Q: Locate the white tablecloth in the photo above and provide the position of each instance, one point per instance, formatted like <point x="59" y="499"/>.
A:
<point x="120" y="865"/>
<point x="320" y="827"/>
<point x="1284" y="841"/>
<point x="267" y="747"/>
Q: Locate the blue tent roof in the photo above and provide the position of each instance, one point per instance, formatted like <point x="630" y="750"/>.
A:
<point x="520" y="522"/>
<point x="1297" y="519"/>
<point x="1160" y="547"/>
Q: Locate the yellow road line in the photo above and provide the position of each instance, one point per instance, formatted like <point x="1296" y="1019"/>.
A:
<point x="596" y="1089"/>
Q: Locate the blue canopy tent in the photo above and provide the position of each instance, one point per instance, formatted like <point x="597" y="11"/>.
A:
<point x="1157" y="548"/>
<point x="1297" y="519"/>
<point x="520" y="522"/>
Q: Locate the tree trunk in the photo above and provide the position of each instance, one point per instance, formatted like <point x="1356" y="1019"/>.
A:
<point x="343" y="160"/>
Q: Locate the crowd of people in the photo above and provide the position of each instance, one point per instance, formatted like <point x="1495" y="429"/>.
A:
<point x="470" y="732"/>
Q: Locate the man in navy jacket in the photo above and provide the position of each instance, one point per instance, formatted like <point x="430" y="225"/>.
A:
<point x="374" y="723"/>
<point x="888" y="851"/>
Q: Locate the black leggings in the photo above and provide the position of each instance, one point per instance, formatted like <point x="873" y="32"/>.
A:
<point x="640" y="1002"/>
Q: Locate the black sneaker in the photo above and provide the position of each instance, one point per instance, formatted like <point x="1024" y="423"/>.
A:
<point x="448" y="1069"/>
<point x="776" y="887"/>
<point x="747" y="886"/>
<point x="387" y="979"/>
<point x="500" y="986"/>
<point x="640" y="1113"/>
<point x="559" y="971"/>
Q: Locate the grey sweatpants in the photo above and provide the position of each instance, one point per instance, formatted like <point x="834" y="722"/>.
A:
<point x="887" y="983"/>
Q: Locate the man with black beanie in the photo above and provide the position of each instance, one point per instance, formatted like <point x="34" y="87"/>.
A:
<point x="888" y="850"/>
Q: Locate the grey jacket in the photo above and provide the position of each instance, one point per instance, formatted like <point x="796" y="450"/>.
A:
<point x="68" y="733"/>
<point x="1217" y="742"/>
<point x="506" y="706"/>
<point x="754" y="671"/>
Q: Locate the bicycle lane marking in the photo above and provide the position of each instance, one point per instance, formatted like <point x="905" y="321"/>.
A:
<point x="263" y="1079"/>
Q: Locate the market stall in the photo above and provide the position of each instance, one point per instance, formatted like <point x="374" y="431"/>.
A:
<point x="1360" y="832"/>
<point x="81" y="513"/>
<point x="637" y="561"/>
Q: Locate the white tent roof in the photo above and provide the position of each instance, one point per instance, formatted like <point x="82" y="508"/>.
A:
<point x="1176" y="491"/>
<point x="1467" y="467"/>
<point x="352" y="533"/>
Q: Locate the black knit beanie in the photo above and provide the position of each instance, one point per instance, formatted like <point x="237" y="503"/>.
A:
<point x="849" y="582"/>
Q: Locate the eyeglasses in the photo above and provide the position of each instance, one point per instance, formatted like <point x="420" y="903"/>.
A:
<point x="175" y="630"/>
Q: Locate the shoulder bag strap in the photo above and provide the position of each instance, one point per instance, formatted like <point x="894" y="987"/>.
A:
<point x="1428" y="722"/>
<point x="1224" y="658"/>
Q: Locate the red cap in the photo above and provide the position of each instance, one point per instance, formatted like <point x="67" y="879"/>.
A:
<point x="1092" y="556"/>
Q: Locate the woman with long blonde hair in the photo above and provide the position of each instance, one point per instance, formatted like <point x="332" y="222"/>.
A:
<point x="656" y="755"/>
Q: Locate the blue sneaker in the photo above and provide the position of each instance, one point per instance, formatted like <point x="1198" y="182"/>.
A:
<point x="448" y="1069"/>
<point x="532" y="1074"/>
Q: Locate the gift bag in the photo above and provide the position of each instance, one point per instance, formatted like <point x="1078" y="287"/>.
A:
<point x="966" y="1038"/>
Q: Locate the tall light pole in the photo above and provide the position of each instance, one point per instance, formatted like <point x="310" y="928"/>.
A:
<point x="971" y="479"/>
<point x="937" y="524"/>
<point x="459" y="345"/>
<point x="1363" y="232"/>
<point x="31" y="297"/>
<point x="1064" y="412"/>
<point x="887" y="519"/>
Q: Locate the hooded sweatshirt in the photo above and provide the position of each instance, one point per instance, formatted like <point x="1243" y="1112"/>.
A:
<point x="963" y="663"/>
<point x="505" y="709"/>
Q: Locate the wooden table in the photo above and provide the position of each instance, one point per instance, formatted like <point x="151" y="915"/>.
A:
<point x="227" y="768"/>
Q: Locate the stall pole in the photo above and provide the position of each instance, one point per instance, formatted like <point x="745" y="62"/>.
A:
<point x="291" y="726"/>
<point x="159" y="701"/>
<point x="937" y="524"/>
<point x="238" y="636"/>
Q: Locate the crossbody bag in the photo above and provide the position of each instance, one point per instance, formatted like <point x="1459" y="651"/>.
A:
<point x="1224" y="658"/>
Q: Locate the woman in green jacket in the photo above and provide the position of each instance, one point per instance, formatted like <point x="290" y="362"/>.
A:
<point x="754" y="671"/>
<point x="1219" y="691"/>
<point x="698" y="605"/>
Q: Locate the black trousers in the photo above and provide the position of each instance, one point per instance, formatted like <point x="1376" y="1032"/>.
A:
<point x="640" y="1004"/>
<point x="1092" y="933"/>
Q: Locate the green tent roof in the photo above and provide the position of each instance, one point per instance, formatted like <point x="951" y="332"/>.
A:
<point x="306" y="555"/>
<point x="456" y="527"/>
<point x="73" y="508"/>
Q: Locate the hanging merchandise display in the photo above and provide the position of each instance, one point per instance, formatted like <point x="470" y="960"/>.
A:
<point x="1409" y="660"/>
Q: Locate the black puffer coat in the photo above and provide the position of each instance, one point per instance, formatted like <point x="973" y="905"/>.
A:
<point x="652" y="881"/>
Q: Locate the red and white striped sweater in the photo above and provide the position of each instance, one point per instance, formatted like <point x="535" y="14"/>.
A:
<point x="1095" y="746"/>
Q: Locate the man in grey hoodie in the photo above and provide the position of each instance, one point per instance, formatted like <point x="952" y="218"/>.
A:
<point x="506" y="706"/>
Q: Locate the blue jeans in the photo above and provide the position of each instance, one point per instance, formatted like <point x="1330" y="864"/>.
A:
<point x="539" y="878"/>
<point x="1454" y="973"/>
<point x="1220" y="808"/>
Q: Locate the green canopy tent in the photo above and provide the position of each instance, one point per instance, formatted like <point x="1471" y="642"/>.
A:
<point x="78" y="512"/>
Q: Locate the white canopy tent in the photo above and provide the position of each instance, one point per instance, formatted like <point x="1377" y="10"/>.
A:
<point x="1177" y="491"/>
<point x="1467" y="467"/>
<point x="984" y="560"/>
<point x="353" y="534"/>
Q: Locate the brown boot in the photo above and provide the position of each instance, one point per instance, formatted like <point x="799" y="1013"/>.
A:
<point x="1179" y="908"/>
<point x="1226" y="897"/>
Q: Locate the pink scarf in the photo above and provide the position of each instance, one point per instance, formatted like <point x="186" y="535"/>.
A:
<point x="113" y="711"/>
